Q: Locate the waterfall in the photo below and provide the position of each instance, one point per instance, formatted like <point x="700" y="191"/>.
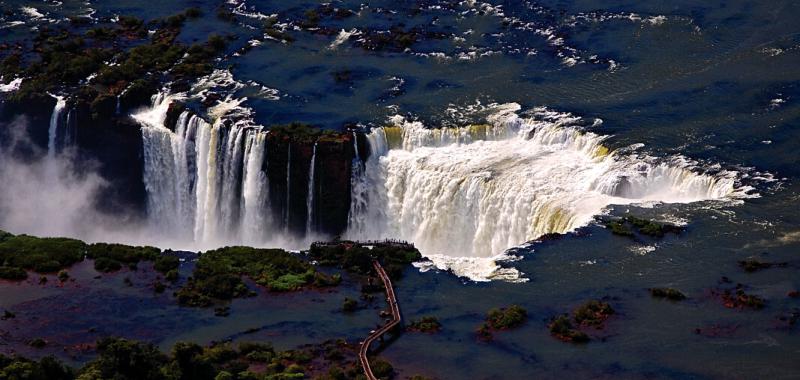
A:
<point x="310" y="226"/>
<point x="55" y="121"/>
<point x="255" y="190"/>
<point x="359" y="186"/>
<point x="205" y="182"/>
<point x="466" y="195"/>
<point x="70" y="129"/>
<point x="287" y="209"/>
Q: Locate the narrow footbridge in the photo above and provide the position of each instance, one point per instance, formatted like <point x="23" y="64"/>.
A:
<point x="390" y="298"/>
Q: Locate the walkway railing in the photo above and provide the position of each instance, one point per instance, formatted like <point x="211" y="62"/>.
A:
<point x="390" y="297"/>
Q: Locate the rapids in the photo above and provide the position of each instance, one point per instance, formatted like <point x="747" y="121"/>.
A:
<point x="466" y="195"/>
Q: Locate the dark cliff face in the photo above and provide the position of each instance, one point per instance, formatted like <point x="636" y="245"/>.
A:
<point x="111" y="146"/>
<point x="333" y="171"/>
<point x="34" y="116"/>
<point x="116" y="145"/>
<point x="331" y="189"/>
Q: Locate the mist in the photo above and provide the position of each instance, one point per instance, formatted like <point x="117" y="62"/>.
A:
<point x="46" y="195"/>
<point x="51" y="195"/>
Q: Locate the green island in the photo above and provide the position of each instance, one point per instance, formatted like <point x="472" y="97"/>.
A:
<point x="737" y="298"/>
<point x="426" y="324"/>
<point x="502" y="319"/>
<point x="592" y="313"/>
<point x="20" y="254"/>
<point x="357" y="257"/>
<point x="126" y="359"/>
<point x="627" y="225"/>
<point x="217" y="276"/>
<point x="668" y="293"/>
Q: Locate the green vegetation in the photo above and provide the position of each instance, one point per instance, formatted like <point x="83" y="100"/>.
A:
<point x="619" y="228"/>
<point x="349" y="305"/>
<point x="171" y="275"/>
<point x="166" y="264"/>
<point x="506" y="318"/>
<point x="105" y="265"/>
<point x="218" y="274"/>
<point x="627" y="225"/>
<point x="48" y="368"/>
<point x="650" y="228"/>
<point x="356" y="258"/>
<point x="752" y="265"/>
<point x="111" y="257"/>
<point x="199" y="57"/>
<point x="427" y="324"/>
<point x="738" y="299"/>
<point x="42" y="255"/>
<point x="381" y="368"/>
<point x="502" y="319"/>
<point x="592" y="313"/>
<point x="12" y="273"/>
<point x="159" y="287"/>
<point x="561" y="327"/>
<point x="37" y="343"/>
<point x="123" y="55"/>
<point x="22" y="253"/>
<point x="668" y="293"/>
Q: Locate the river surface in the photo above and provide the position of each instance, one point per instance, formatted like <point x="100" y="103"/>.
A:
<point x="698" y="101"/>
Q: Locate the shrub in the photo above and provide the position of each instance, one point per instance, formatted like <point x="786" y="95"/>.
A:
<point x="506" y="318"/>
<point x="593" y="313"/>
<point x="171" y="276"/>
<point x="349" y="305"/>
<point x="12" y="273"/>
<point x="125" y="254"/>
<point x="381" y="368"/>
<point x="124" y="359"/>
<point x="217" y="274"/>
<point x="37" y="343"/>
<point x="562" y="328"/>
<point x="40" y="254"/>
<point x="193" y="12"/>
<point x="618" y="228"/>
<point x="165" y="264"/>
<point x="428" y="324"/>
<point x="106" y="265"/>
<point x="668" y="293"/>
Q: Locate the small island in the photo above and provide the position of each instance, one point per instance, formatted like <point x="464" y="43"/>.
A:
<point x="499" y="319"/>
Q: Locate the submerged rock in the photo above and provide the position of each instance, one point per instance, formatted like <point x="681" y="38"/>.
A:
<point x="668" y="293"/>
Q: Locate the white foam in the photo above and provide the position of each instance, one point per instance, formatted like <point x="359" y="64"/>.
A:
<point x="10" y="86"/>
<point x="342" y="37"/>
<point x="466" y="195"/>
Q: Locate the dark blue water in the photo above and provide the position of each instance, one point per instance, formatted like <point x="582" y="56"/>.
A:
<point x="715" y="81"/>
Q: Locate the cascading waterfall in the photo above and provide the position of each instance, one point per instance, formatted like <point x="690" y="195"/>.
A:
<point x="206" y="183"/>
<point x="359" y="189"/>
<point x="310" y="229"/>
<point x="55" y="121"/>
<point x="286" y="210"/>
<point x="466" y="195"/>
<point x="254" y="191"/>
<point x="70" y="130"/>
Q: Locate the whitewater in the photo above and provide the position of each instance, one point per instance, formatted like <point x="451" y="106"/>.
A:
<point x="463" y="196"/>
<point x="466" y="195"/>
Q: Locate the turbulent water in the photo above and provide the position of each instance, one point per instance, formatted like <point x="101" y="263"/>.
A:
<point x="463" y="195"/>
<point x="466" y="195"/>
<point x="205" y="182"/>
<point x="55" y="122"/>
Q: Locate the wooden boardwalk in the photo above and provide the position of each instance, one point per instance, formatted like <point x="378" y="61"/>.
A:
<point x="392" y="300"/>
